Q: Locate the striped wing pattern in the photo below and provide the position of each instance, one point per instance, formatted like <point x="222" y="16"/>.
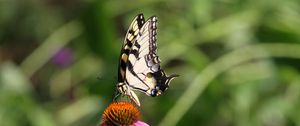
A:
<point x="130" y="37"/>
<point x="143" y="58"/>
<point x="139" y="64"/>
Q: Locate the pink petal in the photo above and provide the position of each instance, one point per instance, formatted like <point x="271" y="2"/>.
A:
<point x="103" y="124"/>
<point x="140" y="123"/>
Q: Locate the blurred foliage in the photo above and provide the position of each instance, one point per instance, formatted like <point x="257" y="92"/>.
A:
<point x="238" y="61"/>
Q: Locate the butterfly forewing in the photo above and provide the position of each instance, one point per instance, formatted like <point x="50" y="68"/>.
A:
<point x="130" y="37"/>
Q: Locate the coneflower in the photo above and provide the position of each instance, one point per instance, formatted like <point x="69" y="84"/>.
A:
<point x="122" y="114"/>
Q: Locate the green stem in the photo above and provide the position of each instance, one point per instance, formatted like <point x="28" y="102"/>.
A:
<point x="236" y="57"/>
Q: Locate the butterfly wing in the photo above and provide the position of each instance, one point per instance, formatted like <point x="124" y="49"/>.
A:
<point x="139" y="66"/>
<point x="130" y="37"/>
<point x="143" y="70"/>
<point x="132" y="33"/>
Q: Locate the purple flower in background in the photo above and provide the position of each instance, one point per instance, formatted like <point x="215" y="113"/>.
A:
<point x="63" y="57"/>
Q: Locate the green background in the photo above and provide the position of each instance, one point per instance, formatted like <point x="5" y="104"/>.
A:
<point x="238" y="61"/>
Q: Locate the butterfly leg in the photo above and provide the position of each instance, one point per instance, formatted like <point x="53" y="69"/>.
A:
<point x="125" y="90"/>
<point x="116" y="95"/>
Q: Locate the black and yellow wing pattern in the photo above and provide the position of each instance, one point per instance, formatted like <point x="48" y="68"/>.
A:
<point x="139" y="67"/>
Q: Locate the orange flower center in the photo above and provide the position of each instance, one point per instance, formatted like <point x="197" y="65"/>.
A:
<point x="121" y="113"/>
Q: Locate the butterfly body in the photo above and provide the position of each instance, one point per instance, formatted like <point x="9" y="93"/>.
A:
<point x="139" y="67"/>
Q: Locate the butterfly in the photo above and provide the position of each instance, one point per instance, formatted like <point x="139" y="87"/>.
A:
<point x="139" y="66"/>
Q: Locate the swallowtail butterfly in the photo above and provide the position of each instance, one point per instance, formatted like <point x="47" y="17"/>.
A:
<point x="139" y="66"/>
